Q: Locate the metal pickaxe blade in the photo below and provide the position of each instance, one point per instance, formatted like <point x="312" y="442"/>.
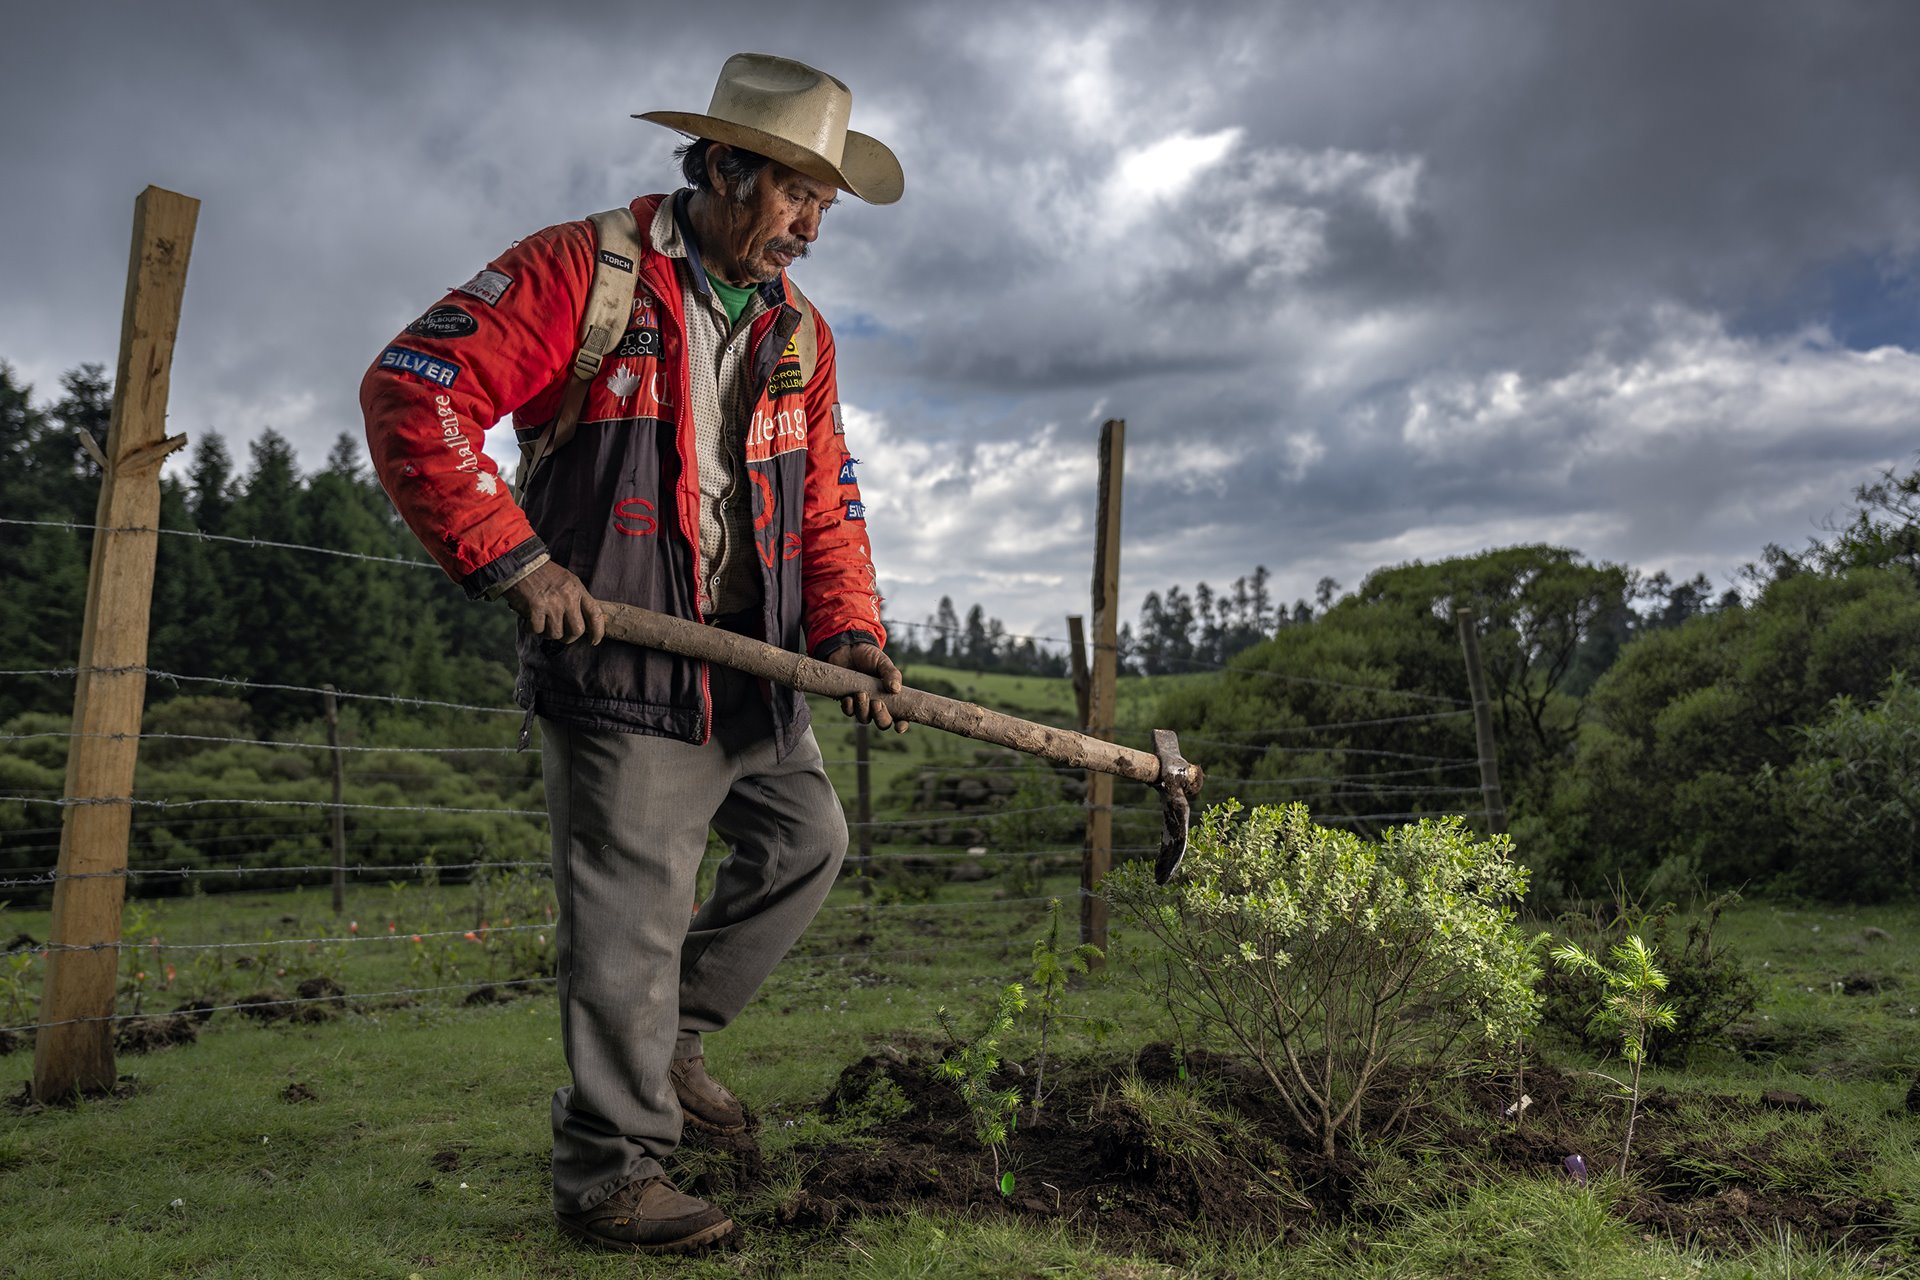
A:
<point x="1163" y="768"/>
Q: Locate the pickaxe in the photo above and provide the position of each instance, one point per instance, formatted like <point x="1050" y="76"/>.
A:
<point x="1163" y="768"/>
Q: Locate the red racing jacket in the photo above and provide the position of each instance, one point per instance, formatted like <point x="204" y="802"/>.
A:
<point x="618" y="504"/>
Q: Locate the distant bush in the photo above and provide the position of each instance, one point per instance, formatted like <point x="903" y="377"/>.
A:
<point x="1708" y="987"/>
<point x="1338" y="962"/>
<point x="1853" y="798"/>
<point x="1682" y="725"/>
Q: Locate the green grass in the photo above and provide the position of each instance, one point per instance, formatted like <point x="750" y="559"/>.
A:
<point x="347" y="1184"/>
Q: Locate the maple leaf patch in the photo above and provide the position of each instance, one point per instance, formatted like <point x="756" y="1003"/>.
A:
<point x="624" y="382"/>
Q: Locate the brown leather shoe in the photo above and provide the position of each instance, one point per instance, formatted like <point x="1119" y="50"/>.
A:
<point x="704" y="1100"/>
<point x="648" y="1216"/>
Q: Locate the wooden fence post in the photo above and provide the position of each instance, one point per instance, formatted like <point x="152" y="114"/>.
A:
<point x="1077" y="655"/>
<point x="1482" y="723"/>
<point x="339" y="801"/>
<point x="1098" y="859"/>
<point x="74" y="1048"/>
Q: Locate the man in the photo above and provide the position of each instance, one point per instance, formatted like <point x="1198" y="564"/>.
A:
<point x="701" y="470"/>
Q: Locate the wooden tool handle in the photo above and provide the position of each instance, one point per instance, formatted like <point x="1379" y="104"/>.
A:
<point x="809" y="675"/>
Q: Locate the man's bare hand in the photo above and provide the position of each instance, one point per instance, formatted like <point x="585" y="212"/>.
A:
<point x="556" y="605"/>
<point x="867" y="707"/>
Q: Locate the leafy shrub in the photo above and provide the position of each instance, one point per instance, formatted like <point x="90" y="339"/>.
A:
<point x="1707" y="985"/>
<point x="1338" y="962"/>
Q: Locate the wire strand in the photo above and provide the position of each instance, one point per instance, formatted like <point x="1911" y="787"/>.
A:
<point x="202" y="536"/>
<point x="234" y="682"/>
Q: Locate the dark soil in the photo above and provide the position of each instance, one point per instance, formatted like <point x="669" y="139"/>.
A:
<point x="159" y="1031"/>
<point x="315" y="1000"/>
<point x="24" y="1103"/>
<point x="1090" y="1161"/>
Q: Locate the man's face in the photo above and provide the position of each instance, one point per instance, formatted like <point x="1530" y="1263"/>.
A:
<point x="780" y="218"/>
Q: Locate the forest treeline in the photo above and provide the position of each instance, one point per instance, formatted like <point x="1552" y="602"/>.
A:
<point x="241" y="608"/>
<point x="1652" y="737"/>
<point x="1651" y="734"/>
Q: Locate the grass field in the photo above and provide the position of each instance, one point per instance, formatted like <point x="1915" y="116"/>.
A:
<point x="411" y="1139"/>
<point x="403" y="1131"/>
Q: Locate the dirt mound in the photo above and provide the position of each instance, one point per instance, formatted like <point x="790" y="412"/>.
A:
<point x="263" y="1006"/>
<point x="1130" y="1149"/>
<point x="159" y="1031"/>
<point x="1085" y="1158"/>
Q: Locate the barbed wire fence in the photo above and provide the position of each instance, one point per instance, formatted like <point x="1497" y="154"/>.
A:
<point x="934" y="846"/>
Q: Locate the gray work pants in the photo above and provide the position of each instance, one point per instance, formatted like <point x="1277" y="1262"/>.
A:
<point x="639" y="981"/>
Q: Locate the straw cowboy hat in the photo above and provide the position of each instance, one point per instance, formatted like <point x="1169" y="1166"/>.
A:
<point x="787" y="111"/>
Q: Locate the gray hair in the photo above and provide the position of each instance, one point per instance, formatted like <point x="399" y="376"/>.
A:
<point x="739" y="168"/>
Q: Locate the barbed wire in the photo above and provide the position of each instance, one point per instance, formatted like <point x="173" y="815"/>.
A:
<point x="1199" y="663"/>
<point x="944" y="946"/>
<point x="51" y="875"/>
<point x="1230" y="669"/>
<point x="1351" y="777"/>
<point x="1281" y="749"/>
<point x="40" y="877"/>
<point x="1349" y="793"/>
<point x="288" y="1000"/>
<point x="478" y="934"/>
<point x="76" y="802"/>
<point x="356" y="806"/>
<point x="233" y="681"/>
<point x="1385" y="817"/>
<point x="961" y="817"/>
<point x="265" y="742"/>
<point x="199" y="535"/>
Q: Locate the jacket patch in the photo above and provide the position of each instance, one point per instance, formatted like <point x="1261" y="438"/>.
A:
<point x="630" y="389"/>
<point x="786" y="380"/>
<point x="444" y="322"/>
<point x="856" y="510"/>
<point x="839" y="423"/>
<point x="613" y="259"/>
<point x="424" y="367"/>
<point x="637" y="343"/>
<point x="846" y="470"/>
<point x="488" y="286"/>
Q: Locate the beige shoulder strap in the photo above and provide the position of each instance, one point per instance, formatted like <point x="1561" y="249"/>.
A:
<point x="616" y="268"/>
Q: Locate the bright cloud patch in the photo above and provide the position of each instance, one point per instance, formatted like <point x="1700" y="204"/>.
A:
<point x="1164" y="169"/>
<point x="1693" y="382"/>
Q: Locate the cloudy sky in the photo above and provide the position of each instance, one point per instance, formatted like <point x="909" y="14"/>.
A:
<point x="1368" y="281"/>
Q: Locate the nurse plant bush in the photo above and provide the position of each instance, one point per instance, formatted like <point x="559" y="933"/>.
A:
<point x="1350" y="970"/>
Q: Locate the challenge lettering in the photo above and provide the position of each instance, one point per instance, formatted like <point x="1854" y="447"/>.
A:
<point x="452" y="436"/>
<point x="776" y="433"/>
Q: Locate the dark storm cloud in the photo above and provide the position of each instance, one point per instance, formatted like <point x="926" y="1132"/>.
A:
<point x="1368" y="281"/>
